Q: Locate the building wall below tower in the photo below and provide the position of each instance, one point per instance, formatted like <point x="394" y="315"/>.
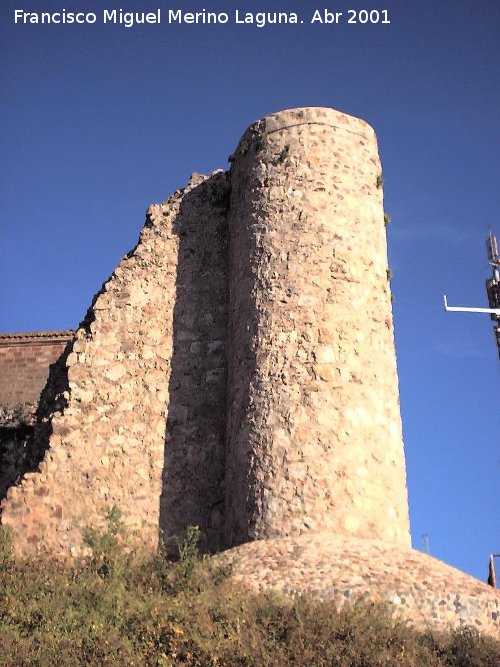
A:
<point x="24" y="363"/>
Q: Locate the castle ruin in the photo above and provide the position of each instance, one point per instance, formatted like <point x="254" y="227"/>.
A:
<point x="237" y="371"/>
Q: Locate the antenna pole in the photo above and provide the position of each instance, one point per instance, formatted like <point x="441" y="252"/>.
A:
<point x="492" y="289"/>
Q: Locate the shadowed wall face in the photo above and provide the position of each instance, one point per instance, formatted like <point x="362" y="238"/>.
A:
<point x="314" y="430"/>
<point x="193" y="472"/>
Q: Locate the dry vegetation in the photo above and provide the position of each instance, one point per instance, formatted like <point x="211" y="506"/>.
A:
<point x="117" y="609"/>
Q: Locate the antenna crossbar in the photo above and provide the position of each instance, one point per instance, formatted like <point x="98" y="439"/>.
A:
<point x="464" y="309"/>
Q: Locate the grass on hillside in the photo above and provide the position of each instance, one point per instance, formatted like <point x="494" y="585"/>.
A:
<point x="116" y="609"/>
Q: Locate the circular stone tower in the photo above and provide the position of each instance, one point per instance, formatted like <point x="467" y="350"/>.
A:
<point x="314" y="430"/>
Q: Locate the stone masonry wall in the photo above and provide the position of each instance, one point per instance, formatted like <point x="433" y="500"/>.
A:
<point x="133" y="413"/>
<point x="314" y="428"/>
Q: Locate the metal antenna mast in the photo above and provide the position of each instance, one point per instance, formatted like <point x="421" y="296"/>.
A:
<point x="492" y="289"/>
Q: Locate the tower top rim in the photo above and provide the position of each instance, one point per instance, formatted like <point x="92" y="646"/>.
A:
<point x="312" y="115"/>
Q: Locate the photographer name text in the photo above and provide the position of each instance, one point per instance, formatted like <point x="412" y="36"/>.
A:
<point x="129" y="19"/>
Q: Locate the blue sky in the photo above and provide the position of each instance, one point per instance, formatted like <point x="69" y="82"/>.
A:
<point x="96" y="122"/>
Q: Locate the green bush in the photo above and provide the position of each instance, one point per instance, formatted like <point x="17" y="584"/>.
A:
<point x="121" y="607"/>
<point x="108" y="556"/>
<point x="6" y="553"/>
